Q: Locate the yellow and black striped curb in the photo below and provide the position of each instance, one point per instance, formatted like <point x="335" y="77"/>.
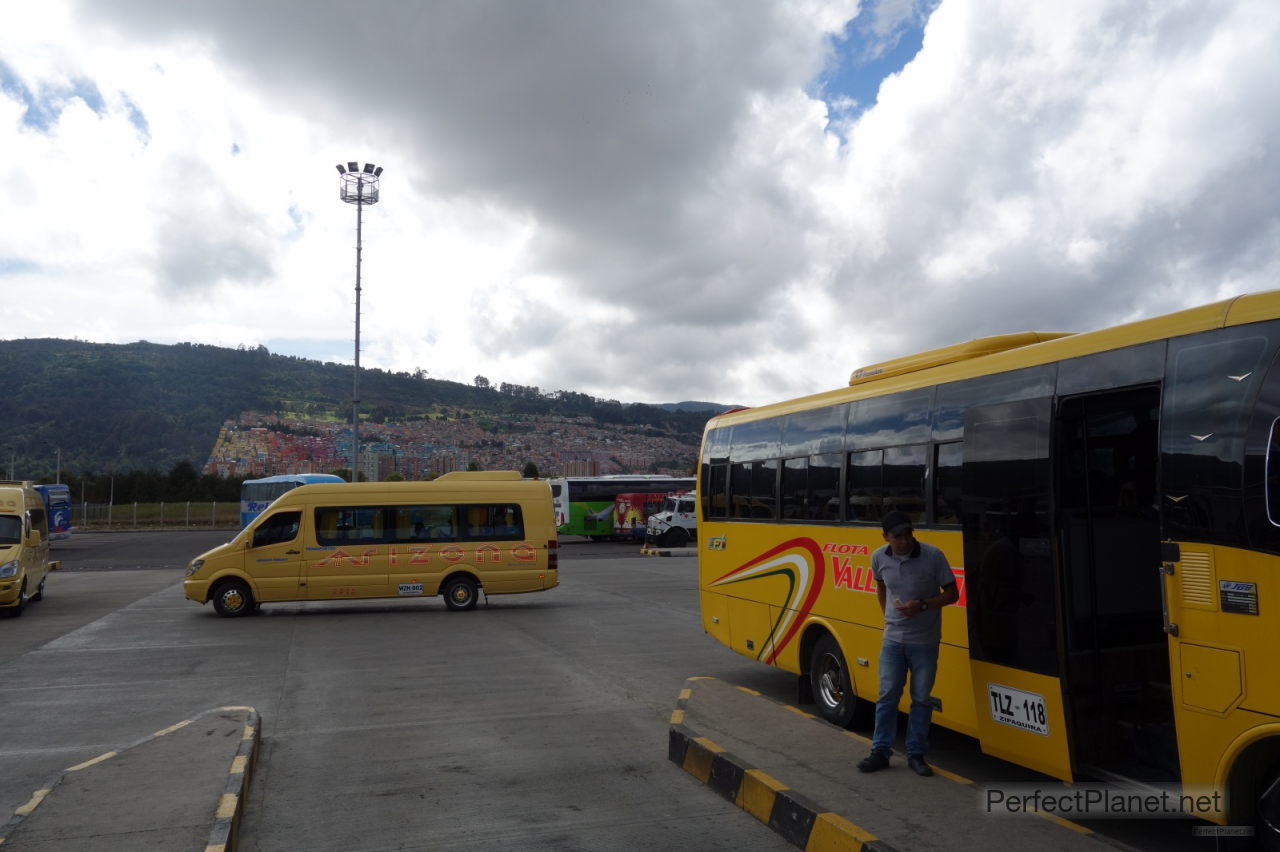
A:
<point x="800" y="821"/>
<point x="822" y="830"/>
<point x="226" y="820"/>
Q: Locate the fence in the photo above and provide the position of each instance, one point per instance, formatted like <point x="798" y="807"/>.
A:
<point x="183" y="515"/>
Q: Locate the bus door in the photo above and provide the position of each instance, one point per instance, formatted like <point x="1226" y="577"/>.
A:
<point x="1011" y="589"/>
<point x="1116" y="657"/>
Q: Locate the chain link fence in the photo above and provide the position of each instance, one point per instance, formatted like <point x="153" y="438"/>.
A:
<point x="181" y="515"/>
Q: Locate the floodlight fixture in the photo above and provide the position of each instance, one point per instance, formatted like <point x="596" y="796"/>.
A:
<point x="341" y="169"/>
<point x="358" y="188"/>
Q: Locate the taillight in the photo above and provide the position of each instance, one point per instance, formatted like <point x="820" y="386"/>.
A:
<point x="553" y="555"/>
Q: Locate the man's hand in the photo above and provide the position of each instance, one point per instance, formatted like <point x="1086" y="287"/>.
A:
<point x="909" y="609"/>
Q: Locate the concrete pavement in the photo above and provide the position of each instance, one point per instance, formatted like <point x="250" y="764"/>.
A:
<point x="180" y="788"/>
<point x="797" y="774"/>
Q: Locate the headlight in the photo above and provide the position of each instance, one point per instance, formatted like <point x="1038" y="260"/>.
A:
<point x="9" y="569"/>
<point x="196" y="565"/>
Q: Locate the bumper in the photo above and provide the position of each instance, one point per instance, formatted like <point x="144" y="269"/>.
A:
<point x="10" y="591"/>
<point x="196" y="590"/>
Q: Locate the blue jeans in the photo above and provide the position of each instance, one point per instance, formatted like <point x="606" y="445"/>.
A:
<point x="896" y="659"/>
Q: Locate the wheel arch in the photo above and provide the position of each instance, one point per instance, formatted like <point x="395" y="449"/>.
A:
<point x="455" y="573"/>
<point x="1249" y="767"/>
<point x="226" y="576"/>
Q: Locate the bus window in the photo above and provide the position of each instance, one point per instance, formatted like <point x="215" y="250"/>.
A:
<point x="1273" y="474"/>
<point x="904" y="480"/>
<point x="901" y="418"/>
<point x="863" y="486"/>
<point x="946" y="483"/>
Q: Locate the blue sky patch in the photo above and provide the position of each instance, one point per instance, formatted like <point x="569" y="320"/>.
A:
<point x="864" y="58"/>
<point x="17" y="266"/>
<point x="44" y="106"/>
<point x="137" y="119"/>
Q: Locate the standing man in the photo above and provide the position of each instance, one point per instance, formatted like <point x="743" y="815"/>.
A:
<point x="918" y="580"/>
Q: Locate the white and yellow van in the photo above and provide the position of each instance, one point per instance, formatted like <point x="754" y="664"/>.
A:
<point x="454" y="536"/>
<point x="24" y="546"/>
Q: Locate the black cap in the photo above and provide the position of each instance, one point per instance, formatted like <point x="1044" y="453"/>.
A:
<point x="896" y="523"/>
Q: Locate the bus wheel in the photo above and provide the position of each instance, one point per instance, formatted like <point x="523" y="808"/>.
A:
<point x="460" y="593"/>
<point x="1268" y="816"/>
<point x="832" y="687"/>
<point x="39" y="595"/>
<point x="232" y="599"/>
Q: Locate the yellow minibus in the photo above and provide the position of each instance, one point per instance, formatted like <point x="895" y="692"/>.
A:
<point x="24" y="546"/>
<point x="456" y="536"/>
<point x="1110" y="505"/>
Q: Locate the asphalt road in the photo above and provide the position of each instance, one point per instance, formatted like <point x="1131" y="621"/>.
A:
<point x="537" y="721"/>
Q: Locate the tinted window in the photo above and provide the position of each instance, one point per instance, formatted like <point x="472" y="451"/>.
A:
<point x="10" y="529"/>
<point x="715" y="482"/>
<point x="1008" y="550"/>
<point x="887" y="421"/>
<point x="956" y="398"/>
<point x="350" y="525"/>
<point x="864" y="487"/>
<point x="794" y="488"/>
<point x="904" y="480"/>
<point x="811" y="488"/>
<point x="946" y="483"/>
<point x="807" y="433"/>
<point x="716" y="444"/>
<point x="1133" y="365"/>
<point x="277" y="529"/>
<point x="758" y="440"/>
<point x="1212" y="381"/>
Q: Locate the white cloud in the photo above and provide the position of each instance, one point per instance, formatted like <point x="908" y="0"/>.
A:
<point x="634" y="201"/>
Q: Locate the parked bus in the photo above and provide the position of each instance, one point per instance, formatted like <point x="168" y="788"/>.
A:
<point x="258" y="494"/>
<point x="57" y="508"/>
<point x="1110" y="502"/>
<point x="585" y="504"/>
<point x="455" y="536"/>
<point x="24" y="547"/>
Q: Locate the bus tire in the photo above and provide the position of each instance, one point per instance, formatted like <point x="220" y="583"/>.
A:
<point x="1268" y="813"/>
<point x="39" y="595"/>
<point x="232" y="599"/>
<point x="460" y="593"/>
<point x="832" y="685"/>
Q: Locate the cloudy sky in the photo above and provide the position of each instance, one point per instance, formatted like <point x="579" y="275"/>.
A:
<point x="727" y="200"/>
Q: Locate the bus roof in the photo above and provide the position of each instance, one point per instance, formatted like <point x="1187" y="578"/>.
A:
<point x="986" y="356"/>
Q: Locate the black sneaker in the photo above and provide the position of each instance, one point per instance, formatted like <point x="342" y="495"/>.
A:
<point x="918" y="765"/>
<point x="874" y="762"/>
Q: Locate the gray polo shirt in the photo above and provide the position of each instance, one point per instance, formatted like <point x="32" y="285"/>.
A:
<point x="917" y="576"/>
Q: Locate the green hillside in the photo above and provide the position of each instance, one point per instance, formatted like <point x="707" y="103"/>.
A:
<point x="149" y="406"/>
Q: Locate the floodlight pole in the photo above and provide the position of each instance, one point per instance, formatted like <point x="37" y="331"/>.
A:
<point x="359" y="187"/>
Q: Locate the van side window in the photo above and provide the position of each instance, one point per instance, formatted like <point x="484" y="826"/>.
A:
<point x="351" y="525"/>
<point x="499" y="522"/>
<point x="277" y="529"/>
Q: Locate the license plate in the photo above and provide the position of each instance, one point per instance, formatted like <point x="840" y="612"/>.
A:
<point x="1018" y="709"/>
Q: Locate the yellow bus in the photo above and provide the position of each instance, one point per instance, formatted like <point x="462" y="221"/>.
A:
<point x="1110" y="502"/>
